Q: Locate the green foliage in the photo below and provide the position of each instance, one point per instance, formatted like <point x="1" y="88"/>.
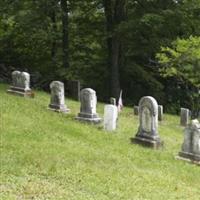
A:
<point x="31" y="39"/>
<point x="182" y="59"/>
<point x="47" y="155"/>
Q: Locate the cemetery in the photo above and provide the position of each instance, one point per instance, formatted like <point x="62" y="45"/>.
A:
<point x="50" y="155"/>
<point x="100" y="100"/>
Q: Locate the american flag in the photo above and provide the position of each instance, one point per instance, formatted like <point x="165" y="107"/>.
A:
<point x="120" y="103"/>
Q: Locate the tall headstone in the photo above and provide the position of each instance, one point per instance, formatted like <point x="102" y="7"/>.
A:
<point x="136" y="110"/>
<point x="21" y="84"/>
<point x="185" y="117"/>
<point x="57" y="102"/>
<point x="160" y="112"/>
<point x="147" y="134"/>
<point x="88" y="112"/>
<point x="110" y="117"/>
<point x="113" y="101"/>
<point x="191" y="146"/>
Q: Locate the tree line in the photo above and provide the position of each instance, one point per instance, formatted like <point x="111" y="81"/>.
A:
<point x="144" y="47"/>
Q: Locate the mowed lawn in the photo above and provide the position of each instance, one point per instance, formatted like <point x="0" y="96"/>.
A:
<point x="47" y="155"/>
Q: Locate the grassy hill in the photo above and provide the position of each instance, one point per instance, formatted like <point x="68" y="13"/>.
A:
<point x="47" y="155"/>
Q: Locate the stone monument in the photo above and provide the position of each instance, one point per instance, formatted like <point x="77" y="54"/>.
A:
<point x="57" y="102"/>
<point x="147" y="134"/>
<point x="88" y="100"/>
<point x="113" y="101"/>
<point x="191" y="146"/>
<point x="160" y="112"/>
<point x="21" y="84"/>
<point x="110" y="117"/>
<point x="185" y="115"/>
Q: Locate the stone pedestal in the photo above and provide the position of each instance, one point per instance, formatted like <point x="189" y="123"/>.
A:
<point x="147" y="134"/>
<point x="88" y="107"/>
<point x="191" y="146"/>
<point x="20" y="84"/>
<point x="148" y="142"/>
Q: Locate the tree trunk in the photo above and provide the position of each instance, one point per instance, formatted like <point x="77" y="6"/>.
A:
<point x="65" y="39"/>
<point x="115" y="14"/>
<point x="54" y="42"/>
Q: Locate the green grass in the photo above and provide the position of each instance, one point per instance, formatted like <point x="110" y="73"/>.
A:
<point x="47" y="155"/>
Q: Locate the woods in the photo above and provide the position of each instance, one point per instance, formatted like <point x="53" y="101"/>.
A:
<point x="142" y="47"/>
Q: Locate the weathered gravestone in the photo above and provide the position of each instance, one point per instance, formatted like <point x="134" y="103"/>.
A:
<point x="21" y="84"/>
<point x="160" y="112"/>
<point x="185" y="117"/>
<point x="88" y="100"/>
<point x="113" y="101"/>
<point x="191" y="145"/>
<point x="110" y="117"/>
<point x="136" y="110"/>
<point x="57" y="102"/>
<point x="147" y="134"/>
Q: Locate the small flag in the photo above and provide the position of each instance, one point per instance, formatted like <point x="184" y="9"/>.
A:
<point x="120" y="103"/>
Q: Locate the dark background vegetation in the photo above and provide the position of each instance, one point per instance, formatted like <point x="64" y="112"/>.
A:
<point x="108" y="45"/>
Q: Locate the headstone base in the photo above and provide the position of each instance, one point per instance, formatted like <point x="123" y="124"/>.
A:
<point x="155" y="144"/>
<point x="189" y="157"/>
<point x="21" y="92"/>
<point x="60" y="109"/>
<point x="93" y="120"/>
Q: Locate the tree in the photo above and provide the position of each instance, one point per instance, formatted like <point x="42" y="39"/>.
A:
<point x="65" y="37"/>
<point x="115" y="13"/>
<point x="182" y="60"/>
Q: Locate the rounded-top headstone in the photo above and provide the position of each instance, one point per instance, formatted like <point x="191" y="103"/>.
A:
<point x="148" y="129"/>
<point x="148" y="114"/>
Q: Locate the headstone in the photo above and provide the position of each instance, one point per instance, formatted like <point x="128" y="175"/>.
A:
<point x="160" y="112"/>
<point x="191" y="146"/>
<point x="136" y="110"/>
<point x="110" y="117"/>
<point x="21" y="84"/>
<point x="57" y="102"/>
<point x="147" y="134"/>
<point x="185" y="115"/>
<point x="113" y="101"/>
<point x="88" y="100"/>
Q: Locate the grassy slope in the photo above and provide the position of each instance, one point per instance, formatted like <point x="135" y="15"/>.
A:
<point x="46" y="155"/>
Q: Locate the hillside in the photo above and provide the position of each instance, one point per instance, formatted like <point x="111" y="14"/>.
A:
<point x="47" y="155"/>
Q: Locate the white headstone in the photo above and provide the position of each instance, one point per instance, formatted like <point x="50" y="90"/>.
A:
<point x="110" y="117"/>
